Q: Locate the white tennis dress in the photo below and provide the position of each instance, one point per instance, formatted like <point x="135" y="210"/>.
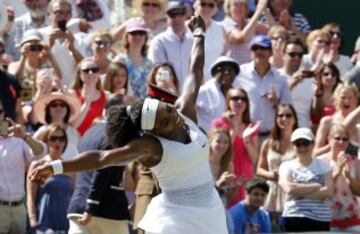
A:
<point x="189" y="202"/>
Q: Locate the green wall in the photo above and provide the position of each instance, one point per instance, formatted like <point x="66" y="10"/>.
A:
<point x="344" y="12"/>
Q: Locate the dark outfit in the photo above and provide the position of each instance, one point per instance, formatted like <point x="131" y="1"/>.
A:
<point x="9" y="93"/>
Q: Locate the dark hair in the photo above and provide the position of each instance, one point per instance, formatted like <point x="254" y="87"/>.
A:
<point x="121" y="128"/>
<point x="143" y="48"/>
<point x="296" y="41"/>
<point x="334" y="70"/>
<point x="114" y="100"/>
<point x="50" y="129"/>
<point x="257" y="182"/>
<point x="246" y="115"/>
<point x="276" y="131"/>
<point x="152" y="74"/>
<point x="48" y="118"/>
<point x="111" y="72"/>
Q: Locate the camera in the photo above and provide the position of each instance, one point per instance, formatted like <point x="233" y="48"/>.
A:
<point x="4" y="128"/>
<point x="308" y="74"/>
<point x="36" y="47"/>
<point x="165" y="75"/>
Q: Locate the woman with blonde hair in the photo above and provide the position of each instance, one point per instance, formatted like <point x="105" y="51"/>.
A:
<point x="101" y="47"/>
<point x="346" y="100"/>
<point x="278" y="36"/>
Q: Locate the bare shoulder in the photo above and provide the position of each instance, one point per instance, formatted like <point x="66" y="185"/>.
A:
<point x="152" y="150"/>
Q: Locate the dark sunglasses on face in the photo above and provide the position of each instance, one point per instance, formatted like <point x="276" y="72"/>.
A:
<point x="333" y="34"/>
<point x="90" y="69"/>
<point x="152" y="4"/>
<point x="57" y="104"/>
<point x="61" y="12"/>
<point x="137" y="33"/>
<point x="207" y="4"/>
<point x="295" y="54"/>
<point x="257" y="47"/>
<point x="173" y="14"/>
<point x="57" y="138"/>
<point x="324" y="41"/>
<point x="282" y="38"/>
<point x="287" y="115"/>
<point x="302" y="143"/>
<point x="238" y="98"/>
<point x="344" y="139"/>
<point x="100" y="43"/>
<point x="328" y="74"/>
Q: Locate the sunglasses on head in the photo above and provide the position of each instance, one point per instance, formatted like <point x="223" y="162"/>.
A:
<point x="173" y="14"/>
<point x="137" y="33"/>
<point x="57" y="104"/>
<point x="239" y="98"/>
<point x="57" y="138"/>
<point x="100" y="43"/>
<point x="286" y="115"/>
<point x="295" y="54"/>
<point x="207" y="4"/>
<point x="302" y="143"/>
<point x="152" y="4"/>
<point x="258" y="47"/>
<point x="90" y="69"/>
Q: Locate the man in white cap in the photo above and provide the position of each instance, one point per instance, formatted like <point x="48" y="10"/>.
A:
<point x="211" y="101"/>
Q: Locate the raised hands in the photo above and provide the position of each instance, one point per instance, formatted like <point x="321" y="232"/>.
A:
<point x="196" y="22"/>
<point x="41" y="170"/>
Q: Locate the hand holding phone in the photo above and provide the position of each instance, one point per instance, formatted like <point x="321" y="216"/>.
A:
<point x="164" y="75"/>
<point x="36" y="47"/>
<point x="308" y="73"/>
<point x="62" y="25"/>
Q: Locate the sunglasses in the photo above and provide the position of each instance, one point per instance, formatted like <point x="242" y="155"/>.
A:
<point x="137" y="33"/>
<point x="328" y="74"/>
<point x="239" y="98"/>
<point x="57" y="104"/>
<point x="257" y="47"/>
<point x="295" y="54"/>
<point x="207" y="4"/>
<point x="344" y="139"/>
<point x="151" y="4"/>
<point x="173" y="14"/>
<point x="57" y="138"/>
<point x="100" y="43"/>
<point x="282" y="38"/>
<point x="287" y="115"/>
<point x="90" y="69"/>
<point x="63" y="13"/>
<point x="302" y="143"/>
<point x="338" y="34"/>
<point x="324" y="42"/>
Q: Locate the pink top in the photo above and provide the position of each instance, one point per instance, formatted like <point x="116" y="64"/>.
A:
<point x="242" y="167"/>
<point x="345" y="206"/>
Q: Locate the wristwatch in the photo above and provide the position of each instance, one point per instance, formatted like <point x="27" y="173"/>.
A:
<point x="198" y="32"/>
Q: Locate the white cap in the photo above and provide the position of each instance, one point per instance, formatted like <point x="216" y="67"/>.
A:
<point x="302" y="133"/>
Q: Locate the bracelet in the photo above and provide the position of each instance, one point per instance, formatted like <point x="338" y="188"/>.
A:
<point x="57" y="167"/>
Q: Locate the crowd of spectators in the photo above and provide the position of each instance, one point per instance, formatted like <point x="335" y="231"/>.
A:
<point x="279" y="102"/>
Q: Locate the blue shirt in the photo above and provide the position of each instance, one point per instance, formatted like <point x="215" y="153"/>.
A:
<point x="247" y="223"/>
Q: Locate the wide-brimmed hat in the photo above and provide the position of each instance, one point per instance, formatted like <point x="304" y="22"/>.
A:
<point x="31" y="35"/>
<point x="41" y="103"/>
<point x="224" y="60"/>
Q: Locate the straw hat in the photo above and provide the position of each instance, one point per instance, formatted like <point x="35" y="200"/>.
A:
<point x="41" y="103"/>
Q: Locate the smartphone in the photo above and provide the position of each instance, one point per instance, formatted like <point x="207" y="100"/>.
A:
<point x="165" y="75"/>
<point x="4" y="128"/>
<point x="308" y="74"/>
<point x="62" y="25"/>
<point x="36" y="47"/>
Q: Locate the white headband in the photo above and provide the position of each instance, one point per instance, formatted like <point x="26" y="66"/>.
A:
<point x="148" y="113"/>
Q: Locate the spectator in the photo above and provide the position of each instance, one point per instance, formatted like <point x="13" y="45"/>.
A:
<point x="7" y="34"/>
<point x="278" y="36"/>
<point x="240" y="29"/>
<point x="17" y="150"/>
<point x="211" y="101"/>
<point x="138" y="65"/>
<point x="300" y="82"/>
<point x="265" y="86"/>
<point x="276" y="150"/>
<point x="62" y="109"/>
<point x="307" y="183"/>
<point x="174" y="45"/>
<point x="341" y="61"/>
<point x="346" y="100"/>
<point x="47" y="204"/>
<point x="215" y="39"/>
<point x="244" y="137"/>
<point x="353" y="75"/>
<point x="164" y="76"/>
<point x="248" y="215"/>
<point x="87" y="88"/>
<point x="345" y="167"/>
<point x="116" y="79"/>
<point x="152" y="17"/>
<point x="101" y="46"/>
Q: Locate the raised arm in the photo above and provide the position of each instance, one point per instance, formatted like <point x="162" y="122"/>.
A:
<point x="146" y="149"/>
<point x="186" y="103"/>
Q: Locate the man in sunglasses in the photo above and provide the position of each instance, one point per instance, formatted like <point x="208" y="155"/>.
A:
<point x="300" y="82"/>
<point x="211" y="101"/>
<point x="174" y="45"/>
<point x="264" y="84"/>
<point x="17" y="149"/>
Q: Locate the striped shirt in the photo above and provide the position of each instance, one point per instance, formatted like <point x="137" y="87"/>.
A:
<point x="315" y="172"/>
<point x="299" y="20"/>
